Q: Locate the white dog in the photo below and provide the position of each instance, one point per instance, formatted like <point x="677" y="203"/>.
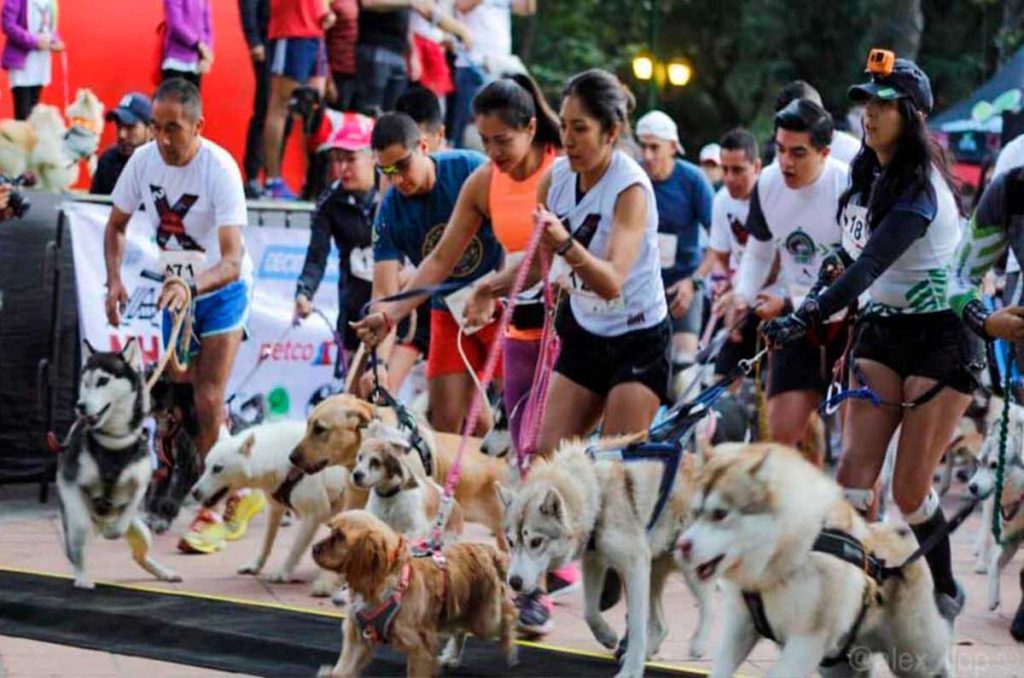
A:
<point x="258" y="458"/>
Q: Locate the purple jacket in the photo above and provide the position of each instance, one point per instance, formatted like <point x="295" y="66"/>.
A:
<point x="19" y="40"/>
<point x="188" y="23"/>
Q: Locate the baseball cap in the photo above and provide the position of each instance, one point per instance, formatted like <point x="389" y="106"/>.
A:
<point x="134" y="107"/>
<point x="659" y="125"/>
<point x="711" y="153"/>
<point x="905" y="80"/>
<point x="351" y="134"/>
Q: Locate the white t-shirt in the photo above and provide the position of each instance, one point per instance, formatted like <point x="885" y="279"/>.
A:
<point x="728" y="216"/>
<point x="803" y="228"/>
<point x="425" y="27"/>
<point x="1011" y="155"/>
<point x="909" y="285"/>
<point x="642" y="302"/>
<point x="844" y="146"/>
<point x="490" y="27"/>
<point x="42" y="20"/>
<point x="186" y="205"/>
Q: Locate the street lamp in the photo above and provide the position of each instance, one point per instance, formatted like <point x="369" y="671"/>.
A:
<point x="643" y="66"/>
<point x="679" y="72"/>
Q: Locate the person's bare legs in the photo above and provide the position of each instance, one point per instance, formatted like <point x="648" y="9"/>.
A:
<point x="450" y="398"/>
<point x="630" y="409"/>
<point x="788" y="415"/>
<point x="281" y="89"/>
<point x="210" y="380"/>
<point x="571" y="411"/>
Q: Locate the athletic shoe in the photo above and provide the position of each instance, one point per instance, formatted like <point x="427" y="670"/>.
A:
<point x="535" y="613"/>
<point x="253" y="190"/>
<point x="564" y="581"/>
<point x="276" y="189"/>
<point x="205" y="534"/>
<point x="241" y="507"/>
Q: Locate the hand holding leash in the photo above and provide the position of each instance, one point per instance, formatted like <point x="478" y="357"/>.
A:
<point x="117" y="302"/>
<point x="780" y="331"/>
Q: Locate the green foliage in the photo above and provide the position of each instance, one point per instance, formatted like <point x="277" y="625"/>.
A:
<point x="742" y="51"/>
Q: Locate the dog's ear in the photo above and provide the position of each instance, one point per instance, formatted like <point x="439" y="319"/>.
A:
<point x="506" y="494"/>
<point x="361" y="414"/>
<point x="393" y="467"/>
<point x="88" y="349"/>
<point x="246" y="449"/>
<point x="130" y="353"/>
<point x="552" y="505"/>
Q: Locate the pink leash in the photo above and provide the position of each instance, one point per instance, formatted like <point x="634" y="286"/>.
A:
<point x="476" y="406"/>
<point x="536" y="404"/>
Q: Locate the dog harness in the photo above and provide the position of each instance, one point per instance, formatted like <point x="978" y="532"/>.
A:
<point x="283" y="493"/>
<point x="375" y="624"/>
<point x="848" y="549"/>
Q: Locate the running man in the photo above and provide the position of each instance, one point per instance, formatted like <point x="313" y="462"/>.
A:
<point x="191" y="191"/>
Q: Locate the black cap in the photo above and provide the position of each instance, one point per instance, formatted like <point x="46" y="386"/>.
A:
<point x="906" y="80"/>
<point x="133" y="108"/>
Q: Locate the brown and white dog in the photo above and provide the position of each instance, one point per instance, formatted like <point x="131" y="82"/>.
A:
<point x="400" y="495"/>
<point x="409" y="603"/>
<point x="335" y="432"/>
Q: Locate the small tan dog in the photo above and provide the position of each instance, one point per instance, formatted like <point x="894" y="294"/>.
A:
<point x="334" y="434"/>
<point x="408" y="603"/>
<point x="400" y="495"/>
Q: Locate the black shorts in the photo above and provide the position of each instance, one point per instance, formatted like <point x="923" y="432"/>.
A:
<point x="802" y="365"/>
<point x="414" y="329"/>
<point x="732" y="352"/>
<point x="599" y="364"/>
<point x="933" y="345"/>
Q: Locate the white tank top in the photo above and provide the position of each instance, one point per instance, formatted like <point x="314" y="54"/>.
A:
<point x="642" y="302"/>
<point x="918" y="281"/>
<point x="803" y="222"/>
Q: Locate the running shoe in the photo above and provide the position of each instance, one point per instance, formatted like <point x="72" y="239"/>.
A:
<point x="206" y="534"/>
<point x="277" y="189"/>
<point x="535" y="613"/>
<point x="241" y="507"/>
<point x="564" y="581"/>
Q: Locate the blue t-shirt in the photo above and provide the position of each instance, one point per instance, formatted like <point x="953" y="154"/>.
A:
<point x="412" y="226"/>
<point x="684" y="203"/>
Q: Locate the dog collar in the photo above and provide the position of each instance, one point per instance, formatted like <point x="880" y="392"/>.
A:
<point x="389" y="493"/>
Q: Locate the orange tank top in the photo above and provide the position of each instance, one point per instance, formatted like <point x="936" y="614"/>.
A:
<point x="511" y="204"/>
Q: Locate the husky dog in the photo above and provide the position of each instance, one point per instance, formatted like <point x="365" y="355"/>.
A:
<point x="983" y="484"/>
<point x="762" y="515"/>
<point x="104" y="468"/>
<point x="575" y="507"/>
<point x="258" y="458"/>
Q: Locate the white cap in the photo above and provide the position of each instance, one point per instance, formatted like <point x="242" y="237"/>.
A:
<point x="659" y="125"/>
<point x="711" y="153"/>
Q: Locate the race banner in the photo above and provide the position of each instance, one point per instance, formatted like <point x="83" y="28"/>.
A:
<point x="297" y="366"/>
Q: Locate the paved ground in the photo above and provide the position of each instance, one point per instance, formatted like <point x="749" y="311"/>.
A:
<point x="30" y="538"/>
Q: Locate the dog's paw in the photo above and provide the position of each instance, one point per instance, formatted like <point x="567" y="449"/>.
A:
<point x="605" y="635"/>
<point x="698" y="645"/>
<point x="980" y="566"/>
<point x="281" y="578"/>
<point x="450" y="658"/>
<point x="250" y="568"/>
<point x="325" y="671"/>
<point x="512" y="658"/>
<point x="170" y="575"/>
<point x="83" y="582"/>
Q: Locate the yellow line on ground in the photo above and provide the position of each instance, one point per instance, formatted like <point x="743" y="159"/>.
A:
<point x="337" y="615"/>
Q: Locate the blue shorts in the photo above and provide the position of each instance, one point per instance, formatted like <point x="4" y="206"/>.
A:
<point x="298" y="58"/>
<point x="225" y="310"/>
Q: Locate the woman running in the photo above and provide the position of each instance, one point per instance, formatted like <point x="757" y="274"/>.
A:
<point x="901" y="225"/>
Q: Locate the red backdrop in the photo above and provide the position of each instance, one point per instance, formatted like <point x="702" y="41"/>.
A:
<point x="112" y="49"/>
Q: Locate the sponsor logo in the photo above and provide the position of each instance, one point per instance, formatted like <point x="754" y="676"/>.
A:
<point x="800" y="246"/>
<point x="471" y="257"/>
<point x="284" y="262"/>
<point x="149" y="344"/>
<point x="313" y="353"/>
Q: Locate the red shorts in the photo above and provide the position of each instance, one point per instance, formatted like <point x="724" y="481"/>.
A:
<point x="444" y="358"/>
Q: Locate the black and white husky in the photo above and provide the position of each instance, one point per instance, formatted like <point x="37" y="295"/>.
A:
<point x="105" y="467"/>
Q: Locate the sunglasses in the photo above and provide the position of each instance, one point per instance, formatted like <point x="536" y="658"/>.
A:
<point x="400" y="167"/>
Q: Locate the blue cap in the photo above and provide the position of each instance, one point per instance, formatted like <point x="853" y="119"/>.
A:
<point x="133" y="108"/>
<point x="906" y="80"/>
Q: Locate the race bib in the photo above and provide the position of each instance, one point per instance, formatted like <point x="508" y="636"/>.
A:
<point x="185" y="264"/>
<point x="456" y="303"/>
<point x="360" y="261"/>
<point x="589" y="300"/>
<point x="855" y="229"/>
<point x="667" y="245"/>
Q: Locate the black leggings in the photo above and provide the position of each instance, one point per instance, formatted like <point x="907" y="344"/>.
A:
<point x="168" y="73"/>
<point x="25" y="99"/>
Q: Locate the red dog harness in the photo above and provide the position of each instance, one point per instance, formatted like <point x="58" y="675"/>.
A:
<point x="375" y="624"/>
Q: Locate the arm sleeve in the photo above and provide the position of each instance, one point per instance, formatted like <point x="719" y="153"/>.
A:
<point x="893" y="236"/>
<point x="177" y="27"/>
<point x="756" y="264"/>
<point x="718" y="237"/>
<point x="229" y="208"/>
<point x="17" y="34"/>
<point x="316" y="255"/>
<point x="384" y="248"/>
<point x="127" y="193"/>
<point x="982" y="245"/>
<point x="250" y="22"/>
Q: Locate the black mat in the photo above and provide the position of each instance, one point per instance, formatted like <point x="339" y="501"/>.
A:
<point x="231" y="636"/>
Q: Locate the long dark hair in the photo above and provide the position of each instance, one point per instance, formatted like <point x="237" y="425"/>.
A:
<point x="515" y="99"/>
<point x="917" y="156"/>
<point x="604" y="97"/>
